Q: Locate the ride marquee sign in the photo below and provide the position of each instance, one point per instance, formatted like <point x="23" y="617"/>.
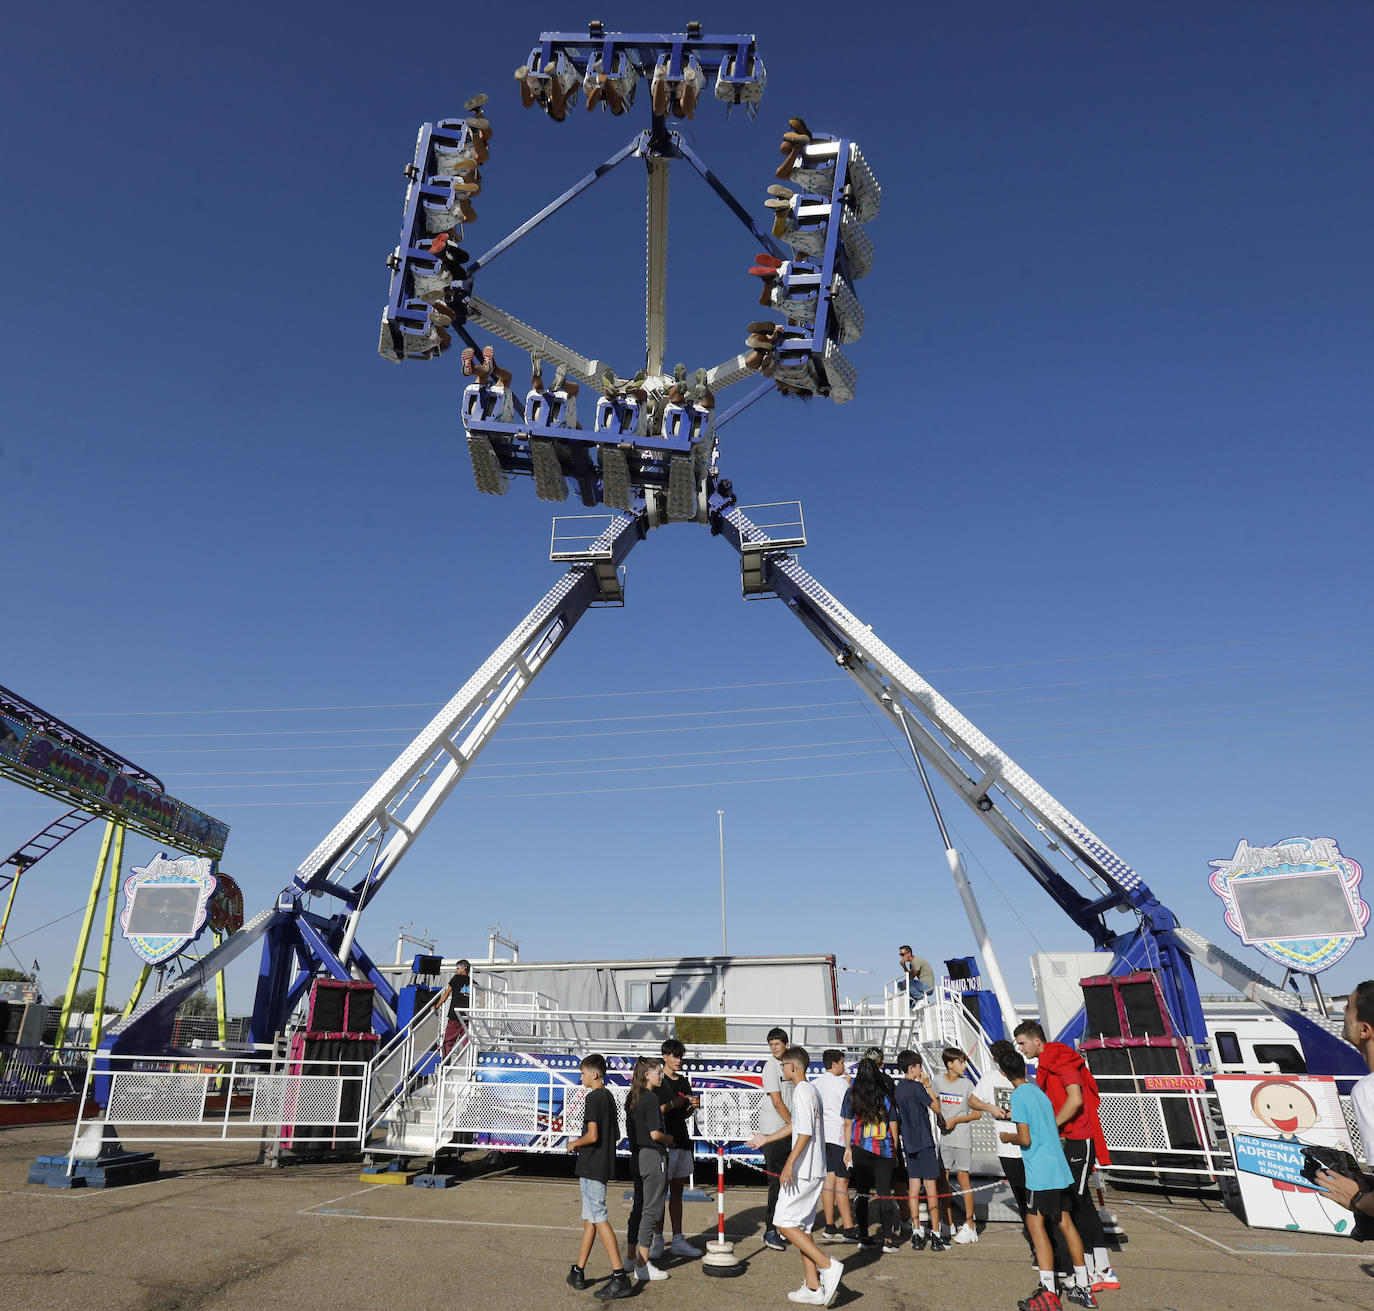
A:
<point x="38" y="760"/>
<point x="1297" y="902"/>
<point x="166" y="905"/>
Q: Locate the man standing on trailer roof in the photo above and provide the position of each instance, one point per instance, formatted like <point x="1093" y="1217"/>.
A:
<point x="1063" y="1075"/>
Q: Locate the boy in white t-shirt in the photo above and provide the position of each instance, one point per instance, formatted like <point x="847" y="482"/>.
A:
<point x="831" y="1086"/>
<point x="801" y="1180"/>
<point x="994" y="1089"/>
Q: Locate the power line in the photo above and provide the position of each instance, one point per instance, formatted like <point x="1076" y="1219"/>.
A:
<point x="727" y="687"/>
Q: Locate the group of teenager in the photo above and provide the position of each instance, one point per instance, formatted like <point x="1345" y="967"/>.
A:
<point x="907" y="1139"/>
<point x="658" y="1105"/>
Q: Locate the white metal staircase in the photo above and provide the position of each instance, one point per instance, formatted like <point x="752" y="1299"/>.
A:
<point x="415" y="1091"/>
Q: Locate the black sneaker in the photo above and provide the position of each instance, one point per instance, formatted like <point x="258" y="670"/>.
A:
<point x="938" y="1244"/>
<point x="851" y="1235"/>
<point x="892" y="1243"/>
<point x="619" y="1285"/>
<point x="773" y="1239"/>
<point x="1080" y="1296"/>
<point x="919" y="1240"/>
<point x="831" y="1234"/>
<point x="577" y="1278"/>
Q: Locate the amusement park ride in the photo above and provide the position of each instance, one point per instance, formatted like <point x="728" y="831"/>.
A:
<point x="649" y="456"/>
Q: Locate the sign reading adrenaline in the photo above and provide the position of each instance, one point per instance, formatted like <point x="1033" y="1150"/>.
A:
<point x="1273" y="1158"/>
<point x="40" y="759"/>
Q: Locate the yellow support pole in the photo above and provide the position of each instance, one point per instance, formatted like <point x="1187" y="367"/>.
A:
<point x="137" y="992"/>
<point x="102" y="979"/>
<point x="79" y="960"/>
<point x="9" y="904"/>
<point x="221" y="1004"/>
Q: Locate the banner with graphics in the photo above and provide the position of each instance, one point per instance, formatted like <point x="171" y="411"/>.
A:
<point x="47" y="764"/>
<point x="1269" y="1120"/>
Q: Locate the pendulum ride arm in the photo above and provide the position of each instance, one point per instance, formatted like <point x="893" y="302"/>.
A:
<point x="992" y="785"/>
<point x="378" y="831"/>
<point x="394" y="810"/>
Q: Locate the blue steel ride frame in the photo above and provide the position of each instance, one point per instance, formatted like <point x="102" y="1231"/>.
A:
<point x="311" y="928"/>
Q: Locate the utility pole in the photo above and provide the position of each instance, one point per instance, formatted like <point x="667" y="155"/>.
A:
<point x="720" y="820"/>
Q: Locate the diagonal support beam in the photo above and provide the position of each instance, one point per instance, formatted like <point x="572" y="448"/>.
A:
<point x="410" y="791"/>
<point x="632" y="147"/>
<point x="766" y="239"/>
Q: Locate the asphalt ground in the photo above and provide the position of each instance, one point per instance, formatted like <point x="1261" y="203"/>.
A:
<point x="219" y="1231"/>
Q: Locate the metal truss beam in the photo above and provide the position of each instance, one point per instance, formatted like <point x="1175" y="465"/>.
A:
<point x="395" y="810"/>
<point x="506" y="326"/>
<point x="983" y="776"/>
<point x="656" y="271"/>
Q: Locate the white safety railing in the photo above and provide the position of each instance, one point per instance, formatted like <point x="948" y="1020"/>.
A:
<point x="507" y="1028"/>
<point x="1153" y="1128"/>
<point x="150" y="1099"/>
<point x="395" y="1068"/>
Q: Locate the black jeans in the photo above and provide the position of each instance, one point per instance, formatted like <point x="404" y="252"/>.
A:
<point x="774" y="1158"/>
<point x="872" y="1175"/>
<point x="1081" y="1154"/>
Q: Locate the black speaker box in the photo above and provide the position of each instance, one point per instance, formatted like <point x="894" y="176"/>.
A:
<point x="1103" y="1014"/>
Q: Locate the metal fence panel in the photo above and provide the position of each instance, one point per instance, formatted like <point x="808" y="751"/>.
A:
<point x="291" y="1099"/>
<point x="142" y="1098"/>
<point x="496" y="1107"/>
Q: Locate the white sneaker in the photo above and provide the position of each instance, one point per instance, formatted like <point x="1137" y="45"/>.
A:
<point x="649" y="1272"/>
<point x="681" y="1247"/>
<point x="656" y="1247"/>
<point x="830" y="1280"/>
<point x="811" y="1296"/>
<point x="966" y="1234"/>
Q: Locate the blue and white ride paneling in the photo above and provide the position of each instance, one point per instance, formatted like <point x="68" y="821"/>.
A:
<point x="815" y="289"/>
<point x="420" y="278"/>
<point x="556" y="1110"/>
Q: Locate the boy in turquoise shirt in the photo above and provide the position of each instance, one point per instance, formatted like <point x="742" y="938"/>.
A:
<point x="1048" y="1178"/>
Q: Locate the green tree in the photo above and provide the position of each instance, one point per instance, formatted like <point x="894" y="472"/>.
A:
<point x="84" y="1002"/>
<point x="8" y="975"/>
<point x="198" y="1003"/>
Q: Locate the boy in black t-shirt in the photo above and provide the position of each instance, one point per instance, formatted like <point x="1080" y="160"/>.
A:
<point x="458" y="994"/>
<point x="595" y="1161"/>
<point x="677" y="1102"/>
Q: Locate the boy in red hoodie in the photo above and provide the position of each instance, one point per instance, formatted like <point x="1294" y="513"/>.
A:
<point x="1063" y="1075"/>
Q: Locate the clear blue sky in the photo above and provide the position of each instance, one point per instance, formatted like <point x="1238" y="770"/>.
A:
<point x="1106" y="480"/>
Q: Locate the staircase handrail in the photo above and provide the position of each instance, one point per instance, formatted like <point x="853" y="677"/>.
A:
<point x="402" y="1042"/>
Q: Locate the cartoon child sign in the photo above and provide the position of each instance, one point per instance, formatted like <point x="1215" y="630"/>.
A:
<point x="1269" y="1120"/>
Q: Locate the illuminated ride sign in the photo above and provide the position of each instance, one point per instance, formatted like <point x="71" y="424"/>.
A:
<point x="1297" y="901"/>
<point x="166" y="905"/>
<point x="38" y="760"/>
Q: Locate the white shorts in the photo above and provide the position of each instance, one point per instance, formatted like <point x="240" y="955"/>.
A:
<point x="797" y="1206"/>
<point x="679" y="1163"/>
